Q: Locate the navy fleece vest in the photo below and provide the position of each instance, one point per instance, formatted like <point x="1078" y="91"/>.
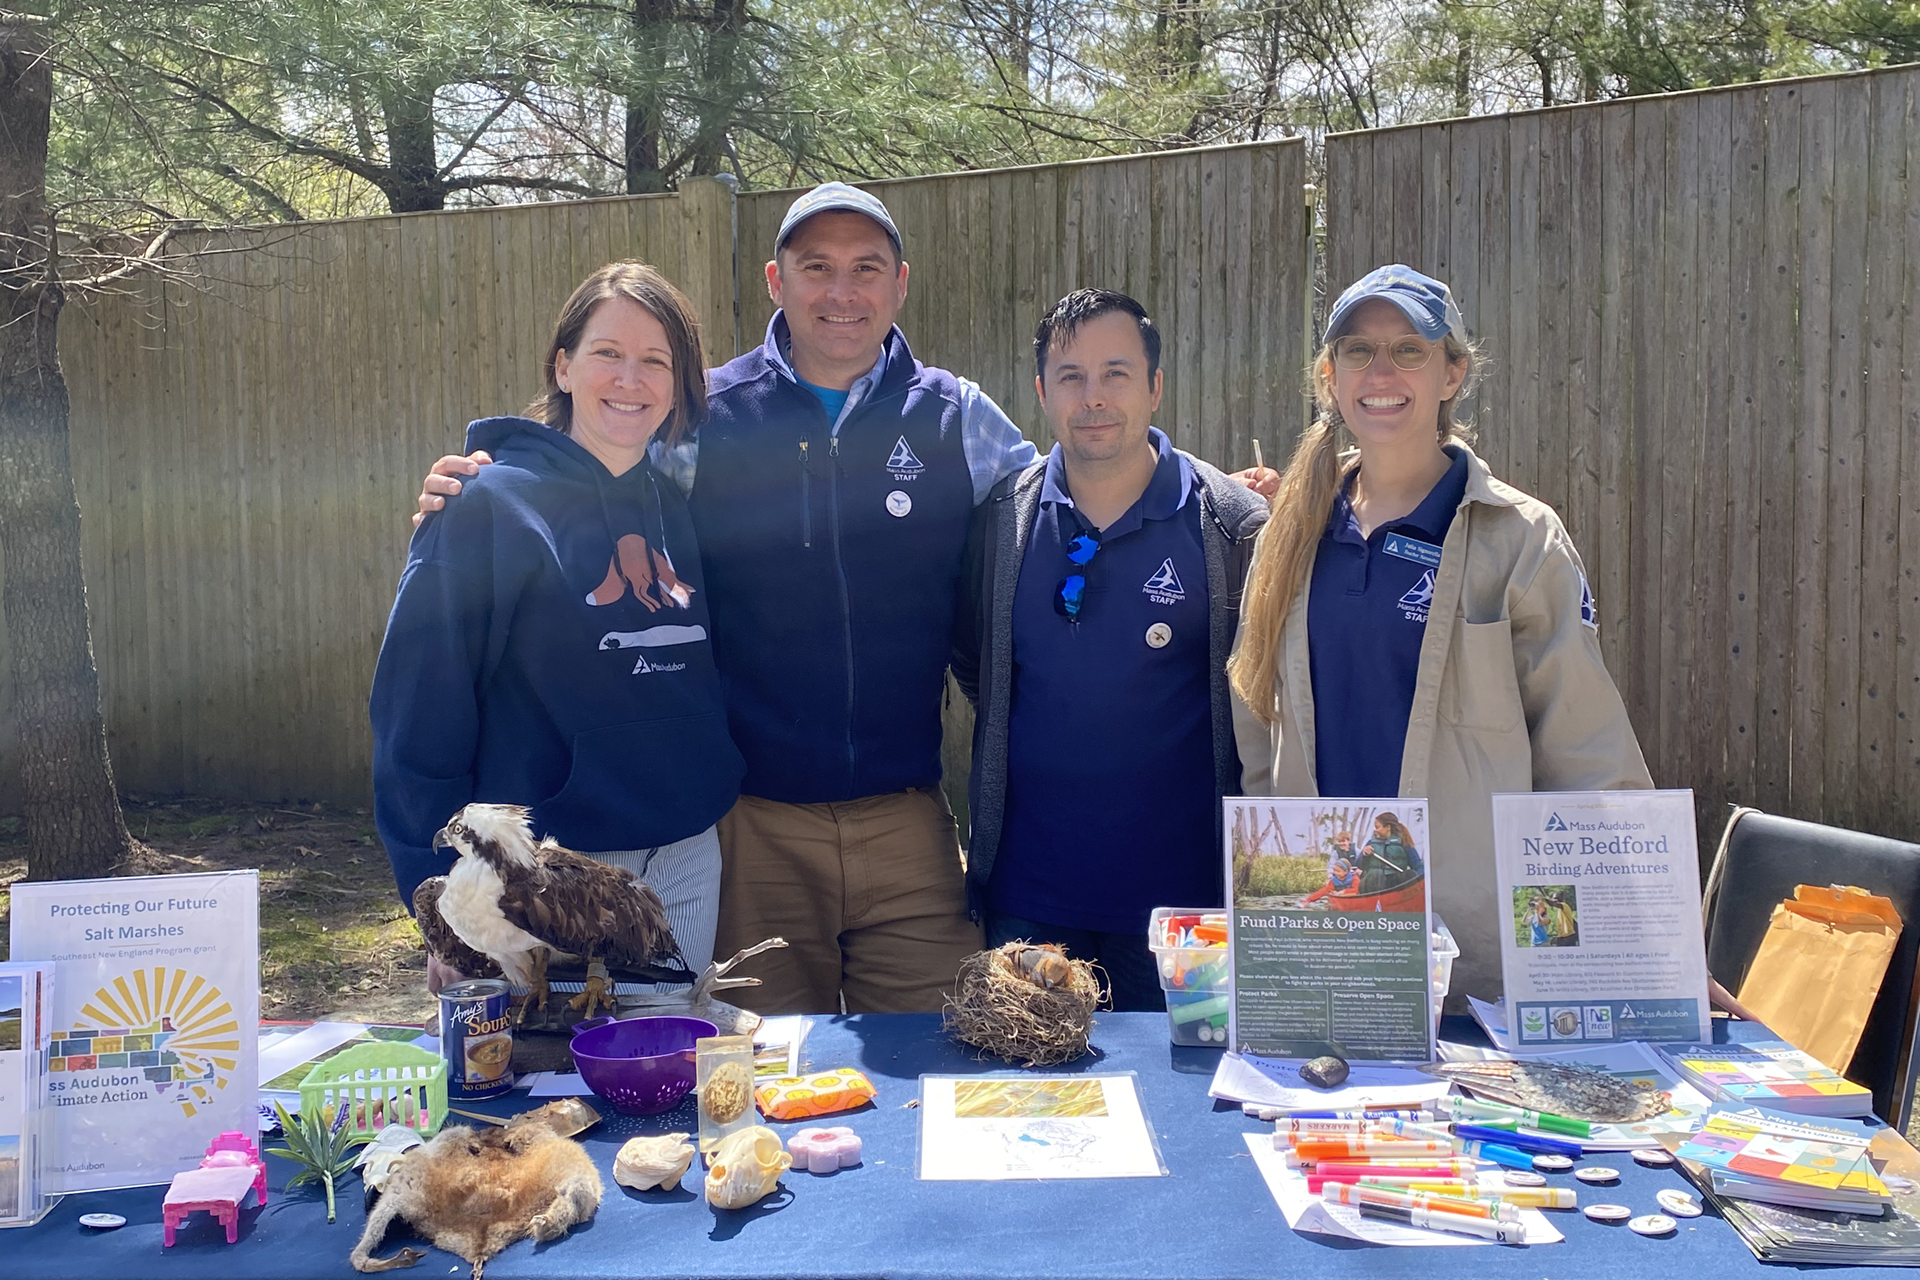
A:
<point x="831" y="570"/>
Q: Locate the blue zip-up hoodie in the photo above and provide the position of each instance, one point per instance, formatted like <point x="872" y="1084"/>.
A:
<point x="549" y="646"/>
<point x="833" y="558"/>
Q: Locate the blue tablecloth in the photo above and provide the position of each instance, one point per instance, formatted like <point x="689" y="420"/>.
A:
<point x="1211" y="1216"/>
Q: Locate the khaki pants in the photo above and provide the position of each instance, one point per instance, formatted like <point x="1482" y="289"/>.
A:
<point x="869" y="894"/>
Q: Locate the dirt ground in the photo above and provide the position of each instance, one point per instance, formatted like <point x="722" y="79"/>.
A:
<point x="334" y="940"/>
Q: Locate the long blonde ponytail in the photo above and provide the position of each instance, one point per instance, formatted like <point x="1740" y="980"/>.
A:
<point x="1283" y="556"/>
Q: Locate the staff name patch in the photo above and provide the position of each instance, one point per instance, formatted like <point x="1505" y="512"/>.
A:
<point x="1398" y="544"/>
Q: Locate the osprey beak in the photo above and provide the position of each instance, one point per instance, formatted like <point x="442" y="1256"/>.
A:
<point x="442" y="841"/>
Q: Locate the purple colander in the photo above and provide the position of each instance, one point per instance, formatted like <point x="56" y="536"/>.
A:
<point x="643" y="1066"/>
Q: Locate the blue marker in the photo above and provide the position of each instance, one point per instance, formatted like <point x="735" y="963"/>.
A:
<point x="1520" y="1141"/>
<point x="1499" y="1155"/>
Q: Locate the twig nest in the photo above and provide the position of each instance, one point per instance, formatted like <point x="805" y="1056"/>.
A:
<point x="1027" y="1004"/>
<point x="659" y="1161"/>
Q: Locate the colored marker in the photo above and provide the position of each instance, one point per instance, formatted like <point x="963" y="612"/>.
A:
<point x="1505" y="1156"/>
<point x="1457" y="1224"/>
<point x="1547" y="1121"/>
<point x="1357" y="1113"/>
<point x="1354" y="1193"/>
<point x="1520" y="1197"/>
<point x="1342" y="1148"/>
<point x="1520" y="1141"/>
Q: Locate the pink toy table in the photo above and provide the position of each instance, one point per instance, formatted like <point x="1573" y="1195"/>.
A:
<point x="231" y="1168"/>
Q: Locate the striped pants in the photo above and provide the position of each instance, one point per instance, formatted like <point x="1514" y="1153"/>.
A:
<point x="686" y="875"/>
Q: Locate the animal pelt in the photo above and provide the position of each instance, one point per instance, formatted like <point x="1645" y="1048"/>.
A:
<point x="473" y="1194"/>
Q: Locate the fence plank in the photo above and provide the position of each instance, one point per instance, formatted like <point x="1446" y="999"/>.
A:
<point x="1806" y="780"/>
<point x="1739" y="426"/>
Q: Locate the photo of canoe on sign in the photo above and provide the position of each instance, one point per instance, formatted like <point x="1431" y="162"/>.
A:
<point x="1329" y="929"/>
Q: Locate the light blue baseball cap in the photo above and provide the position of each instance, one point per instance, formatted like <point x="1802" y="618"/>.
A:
<point x="829" y="196"/>
<point x="1427" y="302"/>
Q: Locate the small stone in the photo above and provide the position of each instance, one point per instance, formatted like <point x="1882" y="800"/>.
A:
<point x="1327" y="1072"/>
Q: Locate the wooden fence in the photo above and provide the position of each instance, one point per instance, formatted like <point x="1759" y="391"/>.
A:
<point x="1705" y="355"/>
<point x="247" y="449"/>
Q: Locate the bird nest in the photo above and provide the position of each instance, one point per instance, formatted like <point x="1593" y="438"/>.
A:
<point x="1029" y="1005"/>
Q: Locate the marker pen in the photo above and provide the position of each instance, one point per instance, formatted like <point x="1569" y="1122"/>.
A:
<point x="1522" y="1197"/>
<point x="1521" y="1141"/>
<point x="1351" y="1193"/>
<point x="1500" y="1154"/>
<point x="1354" y="1113"/>
<point x="1458" y="1224"/>
<point x="1344" y="1147"/>
<point x="1475" y="1109"/>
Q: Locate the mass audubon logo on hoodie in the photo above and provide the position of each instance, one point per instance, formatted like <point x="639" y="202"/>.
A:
<point x="903" y="464"/>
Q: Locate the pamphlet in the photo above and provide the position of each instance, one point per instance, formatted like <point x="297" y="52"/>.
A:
<point x="1330" y="931"/>
<point x="997" y="1127"/>
<point x="156" y="1009"/>
<point x="1276" y="1083"/>
<point x="1602" y="889"/>
<point x="25" y="991"/>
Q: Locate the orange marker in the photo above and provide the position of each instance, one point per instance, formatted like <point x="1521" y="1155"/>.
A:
<point x="1366" y="1148"/>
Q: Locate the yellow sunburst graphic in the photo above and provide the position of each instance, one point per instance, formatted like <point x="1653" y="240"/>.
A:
<point x="185" y="1030"/>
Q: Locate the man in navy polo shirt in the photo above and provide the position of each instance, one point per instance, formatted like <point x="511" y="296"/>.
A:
<point x="832" y="490"/>
<point x="1106" y="586"/>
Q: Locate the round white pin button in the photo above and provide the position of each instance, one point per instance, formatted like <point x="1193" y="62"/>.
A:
<point x="1597" y="1173"/>
<point x="102" y="1221"/>
<point x="1552" y="1164"/>
<point x="898" y="503"/>
<point x="1653" y="1158"/>
<point x="1678" y="1203"/>
<point x="1158" y="635"/>
<point x="1653" y="1224"/>
<point x="1607" y="1212"/>
<point x="1522" y="1178"/>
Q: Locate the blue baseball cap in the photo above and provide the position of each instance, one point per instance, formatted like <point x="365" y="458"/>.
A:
<point x="836" y="195"/>
<point x="1428" y="303"/>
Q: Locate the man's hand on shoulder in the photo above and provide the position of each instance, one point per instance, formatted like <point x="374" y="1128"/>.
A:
<point x="443" y="481"/>
<point x="1264" y="481"/>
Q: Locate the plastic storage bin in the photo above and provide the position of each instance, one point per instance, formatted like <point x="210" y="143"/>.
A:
<point x="1195" y="980"/>
<point x="379" y="1084"/>
<point x="1440" y="965"/>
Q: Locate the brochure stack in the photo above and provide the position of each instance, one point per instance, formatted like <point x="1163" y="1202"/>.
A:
<point x="26" y="1014"/>
<point x="1769" y="1073"/>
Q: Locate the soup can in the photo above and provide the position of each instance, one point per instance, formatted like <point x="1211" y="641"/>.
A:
<point x="476" y="1038"/>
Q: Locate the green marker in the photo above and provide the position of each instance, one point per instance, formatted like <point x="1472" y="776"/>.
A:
<point x="1544" y="1121"/>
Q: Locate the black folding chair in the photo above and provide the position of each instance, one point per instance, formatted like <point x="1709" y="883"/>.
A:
<point x="1761" y="859"/>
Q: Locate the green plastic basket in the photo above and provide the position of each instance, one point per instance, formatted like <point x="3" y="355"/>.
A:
<point x="378" y="1085"/>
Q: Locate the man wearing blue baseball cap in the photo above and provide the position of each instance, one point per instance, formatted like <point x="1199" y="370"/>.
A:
<point x="835" y="482"/>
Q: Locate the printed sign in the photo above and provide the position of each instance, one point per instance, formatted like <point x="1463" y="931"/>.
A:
<point x="156" y="1010"/>
<point x="1329" y="929"/>
<point x="1600" y="891"/>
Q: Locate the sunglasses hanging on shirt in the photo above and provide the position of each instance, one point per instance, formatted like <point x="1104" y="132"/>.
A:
<point x="1072" y="591"/>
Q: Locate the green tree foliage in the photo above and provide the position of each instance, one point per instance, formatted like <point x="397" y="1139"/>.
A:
<point x="277" y="109"/>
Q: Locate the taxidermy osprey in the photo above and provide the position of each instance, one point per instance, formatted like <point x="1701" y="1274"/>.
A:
<point x="513" y="902"/>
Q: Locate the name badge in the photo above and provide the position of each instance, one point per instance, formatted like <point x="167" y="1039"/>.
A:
<point x="1398" y="544"/>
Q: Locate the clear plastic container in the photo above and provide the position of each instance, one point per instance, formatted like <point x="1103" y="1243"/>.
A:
<point x="1195" y="979"/>
<point x="1440" y="958"/>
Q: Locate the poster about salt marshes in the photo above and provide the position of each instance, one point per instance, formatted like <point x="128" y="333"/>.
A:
<point x="156" y="1009"/>
<point x="1329" y="930"/>
<point x="1600" y="894"/>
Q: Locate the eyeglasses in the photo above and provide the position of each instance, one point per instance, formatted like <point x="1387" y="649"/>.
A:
<point x="1355" y="354"/>
<point x="1072" y="591"/>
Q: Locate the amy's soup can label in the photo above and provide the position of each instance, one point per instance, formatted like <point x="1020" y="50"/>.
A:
<point x="476" y="1038"/>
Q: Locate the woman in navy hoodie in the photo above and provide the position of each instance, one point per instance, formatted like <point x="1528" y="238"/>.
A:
<point x="549" y="644"/>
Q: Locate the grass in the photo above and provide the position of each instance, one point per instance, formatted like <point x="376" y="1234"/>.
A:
<point x="335" y="941"/>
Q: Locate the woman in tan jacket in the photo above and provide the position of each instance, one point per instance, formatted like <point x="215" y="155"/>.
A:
<point x="1345" y="686"/>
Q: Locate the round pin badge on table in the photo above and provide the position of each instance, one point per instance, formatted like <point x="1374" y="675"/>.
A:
<point x="1607" y="1212"/>
<point x="1678" y="1203"/>
<point x="898" y="503"/>
<point x="1652" y="1224"/>
<point x="1522" y="1178"/>
<point x="102" y="1221"/>
<point x="1158" y="635"/>
<point x="1653" y="1158"/>
<point x="1597" y="1173"/>
<point x="1553" y="1164"/>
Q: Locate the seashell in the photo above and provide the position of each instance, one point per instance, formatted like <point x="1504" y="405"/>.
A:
<point x="379" y="1157"/>
<point x="660" y="1161"/>
<point x="746" y="1167"/>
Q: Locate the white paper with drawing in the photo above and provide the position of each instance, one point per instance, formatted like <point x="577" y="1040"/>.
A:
<point x="1600" y="898"/>
<point x="998" y="1127"/>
